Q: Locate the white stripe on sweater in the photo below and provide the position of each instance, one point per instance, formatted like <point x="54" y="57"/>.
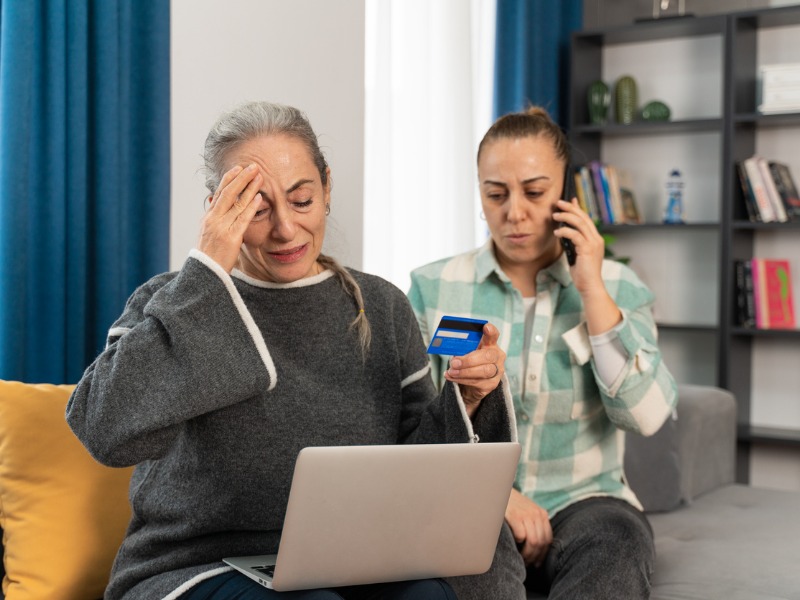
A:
<point x="244" y="313"/>
<point x="187" y="585"/>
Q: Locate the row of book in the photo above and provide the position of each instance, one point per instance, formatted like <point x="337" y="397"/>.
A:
<point x="770" y="192"/>
<point x="603" y="194"/>
<point x="764" y="298"/>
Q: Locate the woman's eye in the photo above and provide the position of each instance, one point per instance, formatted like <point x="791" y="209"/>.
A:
<point x="261" y="214"/>
<point x="533" y="193"/>
<point x="496" y="197"/>
<point x="303" y="203"/>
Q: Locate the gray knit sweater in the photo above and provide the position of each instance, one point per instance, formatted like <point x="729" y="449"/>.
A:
<point x="211" y="384"/>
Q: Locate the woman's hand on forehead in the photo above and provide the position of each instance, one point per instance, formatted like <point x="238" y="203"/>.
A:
<point x="233" y="206"/>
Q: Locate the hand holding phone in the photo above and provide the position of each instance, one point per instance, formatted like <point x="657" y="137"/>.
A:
<point x="568" y="193"/>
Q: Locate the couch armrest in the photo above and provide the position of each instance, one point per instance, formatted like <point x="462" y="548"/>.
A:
<point x="706" y="439"/>
<point x="690" y="455"/>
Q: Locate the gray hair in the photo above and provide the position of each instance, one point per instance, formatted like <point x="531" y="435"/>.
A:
<point x="252" y="120"/>
<point x="256" y="119"/>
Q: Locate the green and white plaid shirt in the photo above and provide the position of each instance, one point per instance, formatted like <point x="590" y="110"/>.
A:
<point x="570" y="424"/>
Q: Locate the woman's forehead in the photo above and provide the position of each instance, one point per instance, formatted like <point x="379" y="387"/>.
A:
<point x="273" y="153"/>
<point x="518" y="153"/>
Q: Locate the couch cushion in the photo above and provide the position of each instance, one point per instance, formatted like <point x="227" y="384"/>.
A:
<point x="736" y="542"/>
<point x="63" y="515"/>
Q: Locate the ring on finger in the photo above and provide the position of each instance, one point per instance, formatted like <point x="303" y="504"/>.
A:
<point x="496" y="371"/>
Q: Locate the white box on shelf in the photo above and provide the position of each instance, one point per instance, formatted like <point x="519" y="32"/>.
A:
<point x="781" y="96"/>
<point x="780" y="74"/>
<point x="771" y="109"/>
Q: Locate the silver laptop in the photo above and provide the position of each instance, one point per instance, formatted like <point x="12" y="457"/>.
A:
<point x="370" y="514"/>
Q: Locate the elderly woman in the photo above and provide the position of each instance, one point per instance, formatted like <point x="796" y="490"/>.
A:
<point x="259" y="346"/>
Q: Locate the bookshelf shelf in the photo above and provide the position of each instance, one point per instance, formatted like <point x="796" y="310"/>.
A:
<point x="771" y="120"/>
<point x="701" y="252"/>
<point x="652" y="127"/>
<point x="656" y="30"/>
<point x="769" y="18"/>
<point x="758" y="434"/>
<point x="633" y="228"/>
<point x="688" y="327"/>
<point x="766" y="333"/>
<point x="775" y="227"/>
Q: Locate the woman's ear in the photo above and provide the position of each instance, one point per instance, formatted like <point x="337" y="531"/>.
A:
<point x="327" y="187"/>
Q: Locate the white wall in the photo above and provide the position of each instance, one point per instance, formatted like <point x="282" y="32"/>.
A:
<point x="307" y="53"/>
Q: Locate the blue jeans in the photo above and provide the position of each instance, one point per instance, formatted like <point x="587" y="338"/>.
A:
<point x="235" y="586"/>
<point x="602" y="549"/>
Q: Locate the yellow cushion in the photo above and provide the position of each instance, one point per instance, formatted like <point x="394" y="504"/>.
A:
<point x="63" y="514"/>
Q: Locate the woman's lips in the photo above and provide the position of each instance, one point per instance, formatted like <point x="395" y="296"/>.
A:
<point x="290" y="255"/>
<point x="518" y="238"/>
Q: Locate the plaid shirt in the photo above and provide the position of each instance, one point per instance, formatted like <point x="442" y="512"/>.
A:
<point x="570" y="424"/>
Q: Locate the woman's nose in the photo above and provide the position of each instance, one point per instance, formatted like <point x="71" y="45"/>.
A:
<point x="283" y="225"/>
<point x="516" y="208"/>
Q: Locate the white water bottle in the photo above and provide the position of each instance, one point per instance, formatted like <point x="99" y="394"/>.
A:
<point x="673" y="212"/>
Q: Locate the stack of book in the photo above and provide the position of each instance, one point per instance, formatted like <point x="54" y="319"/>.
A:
<point x="764" y="298"/>
<point x="604" y="196"/>
<point x="770" y="193"/>
<point x="780" y="88"/>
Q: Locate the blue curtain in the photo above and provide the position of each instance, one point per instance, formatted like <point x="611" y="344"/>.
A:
<point x="532" y="55"/>
<point x="84" y="174"/>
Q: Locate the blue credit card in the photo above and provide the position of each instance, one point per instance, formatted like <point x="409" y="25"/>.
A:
<point x="456" y="336"/>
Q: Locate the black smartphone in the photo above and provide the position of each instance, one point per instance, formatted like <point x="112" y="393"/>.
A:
<point x="568" y="193"/>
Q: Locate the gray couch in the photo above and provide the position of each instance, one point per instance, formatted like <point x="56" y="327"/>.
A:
<point x="715" y="539"/>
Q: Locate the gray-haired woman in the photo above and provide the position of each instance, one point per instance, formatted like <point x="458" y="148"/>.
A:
<point x="260" y="346"/>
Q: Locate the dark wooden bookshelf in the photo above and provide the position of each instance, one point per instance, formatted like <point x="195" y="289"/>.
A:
<point x="738" y="126"/>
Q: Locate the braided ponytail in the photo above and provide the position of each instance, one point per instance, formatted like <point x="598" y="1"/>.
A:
<point x="350" y="285"/>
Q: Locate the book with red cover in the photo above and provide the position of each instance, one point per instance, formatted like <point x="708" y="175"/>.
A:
<point x="774" y="301"/>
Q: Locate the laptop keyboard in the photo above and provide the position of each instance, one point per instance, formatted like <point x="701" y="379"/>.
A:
<point x="268" y="570"/>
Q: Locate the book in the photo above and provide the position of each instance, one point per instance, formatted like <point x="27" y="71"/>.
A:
<point x="756" y="184"/>
<point x="772" y="192"/>
<point x="745" y="308"/>
<point x="787" y="189"/>
<point x="617" y="212"/>
<point x="630" y="208"/>
<point x="588" y="192"/>
<point x="772" y="287"/>
<point x="595" y="167"/>
<point x="579" y="193"/>
<point x="747" y="194"/>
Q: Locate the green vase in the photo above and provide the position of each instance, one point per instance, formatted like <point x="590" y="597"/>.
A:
<point x="655" y="111"/>
<point x="625" y="99"/>
<point x="598" y="97"/>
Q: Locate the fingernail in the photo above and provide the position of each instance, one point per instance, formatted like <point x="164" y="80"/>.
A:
<point x="455" y="364"/>
<point x="251" y="167"/>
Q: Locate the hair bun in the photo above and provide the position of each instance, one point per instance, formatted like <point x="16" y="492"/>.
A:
<point x="537" y="111"/>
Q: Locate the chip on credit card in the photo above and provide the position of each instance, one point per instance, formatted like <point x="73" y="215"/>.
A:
<point x="456" y="336"/>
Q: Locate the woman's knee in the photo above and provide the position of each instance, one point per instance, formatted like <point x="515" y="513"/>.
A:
<point x="426" y="589"/>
